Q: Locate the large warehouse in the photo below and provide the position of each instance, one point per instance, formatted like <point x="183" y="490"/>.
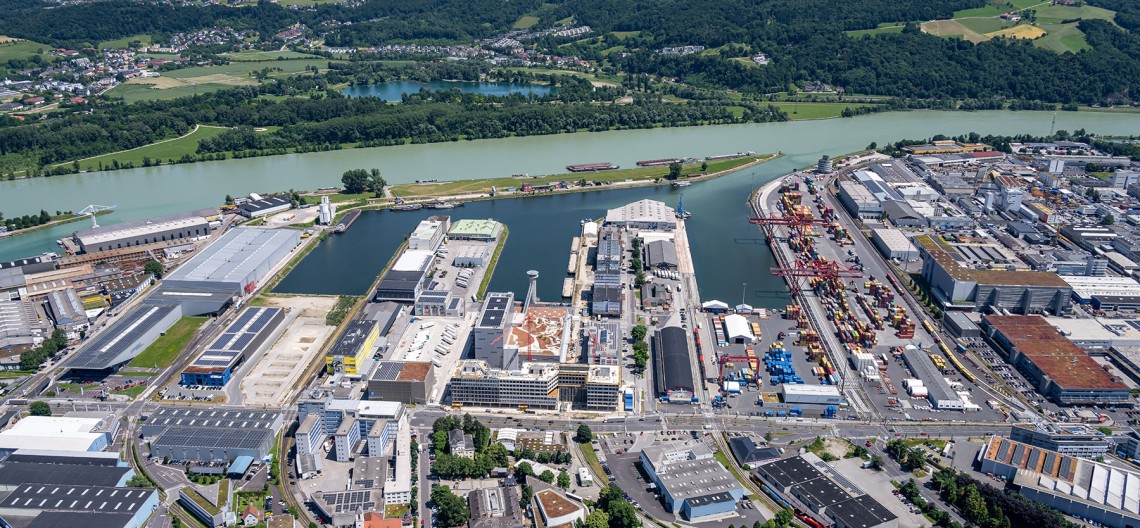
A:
<point x="148" y="231"/>
<point x="404" y="281"/>
<point x="894" y="244"/>
<point x="402" y="381"/>
<point x="238" y="261"/>
<point x="955" y="285"/>
<point x="242" y="338"/>
<point x="58" y="433"/>
<point x="812" y="482"/>
<point x="121" y="342"/>
<point x="643" y="214"/>
<point x="692" y="483"/>
<point x="661" y="254"/>
<point x="486" y="230"/>
<point x="1061" y="370"/>
<point x="672" y="368"/>
<point x="35" y="505"/>
<point x="211" y="434"/>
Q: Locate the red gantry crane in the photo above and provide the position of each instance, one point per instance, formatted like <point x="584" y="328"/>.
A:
<point x="824" y="269"/>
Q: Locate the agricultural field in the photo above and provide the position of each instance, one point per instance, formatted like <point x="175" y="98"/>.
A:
<point x="1023" y="31"/>
<point x="999" y="7"/>
<point x="205" y="79"/>
<point x="122" y="43"/>
<point x="883" y="29"/>
<point x="805" y="111"/>
<point x="20" y="49"/>
<point x="164" y="150"/>
<point x="255" y="55"/>
<point x="525" y="22"/>
<point x="982" y="24"/>
<point x="952" y="28"/>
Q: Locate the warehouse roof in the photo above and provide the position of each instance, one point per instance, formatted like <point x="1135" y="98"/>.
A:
<point x="1056" y="356"/>
<point x="661" y="253"/>
<point x="268" y="202"/>
<point x="747" y="452"/>
<point x="120" y="342"/>
<point x="414" y="260"/>
<point x="235" y="255"/>
<point x="103" y="499"/>
<point x="135" y="228"/>
<point x="214" y="440"/>
<point x="211" y="417"/>
<point x="791" y="471"/>
<point x="642" y="211"/>
<point x="861" y="511"/>
<point x="944" y="256"/>
<point x="1089" y="287"/>
<point x="674" y="371"/>
<point x="894" y="239"/>
<point x="468" y="227"/>
<point x="86" y="519"/>
<point x="225" y="351"/>
<point x="15" y="473"/>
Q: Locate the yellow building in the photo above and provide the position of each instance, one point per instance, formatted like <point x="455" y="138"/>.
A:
<point x="353" y="347"/>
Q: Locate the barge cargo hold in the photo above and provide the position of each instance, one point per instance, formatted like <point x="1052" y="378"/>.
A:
<point x="658" y="162"/>
<point x="347" y="221"/>
<point x="591" y="167"/>
<point x="408" y="207"/>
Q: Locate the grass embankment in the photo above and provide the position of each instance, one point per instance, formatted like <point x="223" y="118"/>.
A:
<point x="456" y="188"/>
<point x="164" y="350"/>
<point x="591" y="457"/>
<point x="805" y="111"/>
<point x="162" y="151"/>
<point x="494" y="262"/>
<point x="55" y="220"/>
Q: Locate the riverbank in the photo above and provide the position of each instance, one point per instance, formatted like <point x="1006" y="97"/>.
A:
<point x="59" y="220"/>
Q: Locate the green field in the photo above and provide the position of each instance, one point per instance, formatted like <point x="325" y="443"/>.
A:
<point x="986" y="25"/>
<point x="164" y="350"/>
<point x="998" y="7"/>
<point x="254" y="55"/>
<point x="525" y="22"/>
<point x="144" y="40"/>
<point x="172" y="149"/>
<point x="1062" y="37"/>
<point x="804" y="111"/>
<point x="453" y="188"/>
<point x="1054" y="14"/>
<point x="141" y="92"/>
<point x="22" y="49"/>
<point x="244" y="68"/>
<point x="883" y="29"/>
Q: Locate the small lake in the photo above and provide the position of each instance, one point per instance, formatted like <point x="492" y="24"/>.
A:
<point x="394" y="91"/>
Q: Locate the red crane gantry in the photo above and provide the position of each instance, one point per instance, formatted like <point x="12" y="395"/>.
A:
<point x="824" y="269"/>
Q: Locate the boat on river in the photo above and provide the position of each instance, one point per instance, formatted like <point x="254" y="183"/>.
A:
<point x="682" y="183"/>
<point x="592" y="167"/>
<point x="444" y="205"/>
<point x="407" y="207"/>
<point x="347" y="221"/>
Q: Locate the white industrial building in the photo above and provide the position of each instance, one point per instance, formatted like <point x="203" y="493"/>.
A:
<point x="859" y="201"/>
<point x="894" y="244"/>
<point x="179" y="226"/>
<point x="57" y="433"/>
<point x="470" y="257"/>
<point x="1085" y="288"/>
<point x="429" y="234"/>
<point x="793" y="393"/>
<point x="643" y="214"/>
<point x="239" y="260"/>
<point x="737" y="329"/>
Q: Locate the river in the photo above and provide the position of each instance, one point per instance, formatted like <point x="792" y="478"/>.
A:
<point x="395" y="90"/>
<point x="727" y="252"/>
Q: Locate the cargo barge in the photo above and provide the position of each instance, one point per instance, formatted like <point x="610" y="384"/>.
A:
<point x="592" y="167"/>
<point x="346" y="222"/>
<point x="407" y="207"/>
<point x="658" y="162"/>
<point x="730" y="156"/>
<point x="444" y="205"/>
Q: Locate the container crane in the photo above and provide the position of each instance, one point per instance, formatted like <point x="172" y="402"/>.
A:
<point x="767" y="223"/>
<point x="823" y="269"/>
<point x="92" y="210"/>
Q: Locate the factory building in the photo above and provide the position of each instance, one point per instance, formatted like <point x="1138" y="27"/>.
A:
<point x="1068" y="439"/>
<point x="661" y="254"/>
<point x="241" y="339"/>
<point x="470" y="257"/>
<point x="428" y="235"/>
<point x="410" y="382"/>
<point x="812" y="482"/>
<point x="796" y="394"/>
<point x="893" y="244"/>
<point x="605" y="300"/>
<point x="404" y="281"/>
<point x="859" y="201"/>
<point x="961" y="326"/>
<point x="534" y="385"/>
<point x="938" y="390"/>
<point x="484" y="230"/>
<point x="259" y="206"/>
<point x="233" y="266"/>
<point x="20" y="326"/>
<point x="650" y="215"/>
<point x="955" y="285"/>
<point x="353" y="348"/>
<point x="692" y="483"/>
<point x="36" y="505"/>
<point x="181" y="226"/>
<point x="60" y="468"/>
<point x="1105" y="293"/>
<point x="124" y="340"/>
<point x="439" y="303"/>
<point x="58" y="433"/>
<point x="1105" y="494"/>
<point x="1089" y="236"/>
<point x="211" y="434"/>
<point x="1060" y="370"/>
<point x="672" y="369"/>
<point x="66" y="310"/>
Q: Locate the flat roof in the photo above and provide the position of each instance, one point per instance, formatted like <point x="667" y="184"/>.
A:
<point x="894" y="239"/>
<point x="211" y="417"/>
<point x="401" y="371"/>
<point x="16" y="473"/>
<point x="540" y="332"/>
<point x="355" y="335"/>
<point x="943" y="255"/>
<point x="470" y="227"/>
<point x="1088" y="287"/>
<point x="791" y="471"/>
<point x="554" y="505"/>
<point x="1056" y="356"/>
<point x="861" y="511"/>
<point x="268" y="202"/>
<point x="214" y="440"/>
<point x="34" y="496"/>
<point x="235" y="255"/>
<point x="233" y="344"/>
<point x="121" y="341"/>
<point x="86" y="519"/>
<point x="495" y="309"/>
<point x="137" y="228"/>
<point x="413" y="260"/>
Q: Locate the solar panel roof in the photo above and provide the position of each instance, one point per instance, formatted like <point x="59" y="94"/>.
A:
<point x="246" y="439"/>
<point x="231" y="345"/>
<point x="121" y="342"/>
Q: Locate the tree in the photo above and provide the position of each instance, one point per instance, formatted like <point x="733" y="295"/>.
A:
<point x="496" y="454"/>
<point x="525" y="495"/>
<point x="584" y="435"/>
<point x="622" y="514"/>
<point x="524" y="468"/>
<point x="563" y="480"/>
<point x="639" y="279"/>
<point x="877" y="462"/>
<point x="355" y="181"/>
<point x="704" y="166"/>
<point x="452" y="509"/>
<point x="40" y="408"/>
<point x="641" y="354"/>
<point x="229" y="200"/>
<point x="1108" y="220"/>
<point x="674" y="170"/>
<point x="768" y="436"/>
<point x="547" y="476"/>
<point x="376" y="183"/>
<point x="638" y="333"/>
<point x="139" y="481"/>
<point x="597" y="519"/>
<point x="154" y="268"/>
<point x="784" y="517"/>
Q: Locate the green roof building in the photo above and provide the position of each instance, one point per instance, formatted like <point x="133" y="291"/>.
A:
<point x="475" y="230"/>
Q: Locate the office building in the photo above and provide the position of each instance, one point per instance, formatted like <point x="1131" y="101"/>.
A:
<point x="1059" y="369"/>
<point x="241" y="339"/>
<point x="692" y="483"/>
<point x="181" y="226"/>
<point x="649" y="215"/>
<point x="533" y="385"/>
<point x="353" y="348"/>
<point x="410" y="382"/>
<point x="603" y="384"/>
<point x="495" y="319"/>
<point x="827" y="495"/>
<point x="1068" y="439"/>
<point x="377" y="421"/>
